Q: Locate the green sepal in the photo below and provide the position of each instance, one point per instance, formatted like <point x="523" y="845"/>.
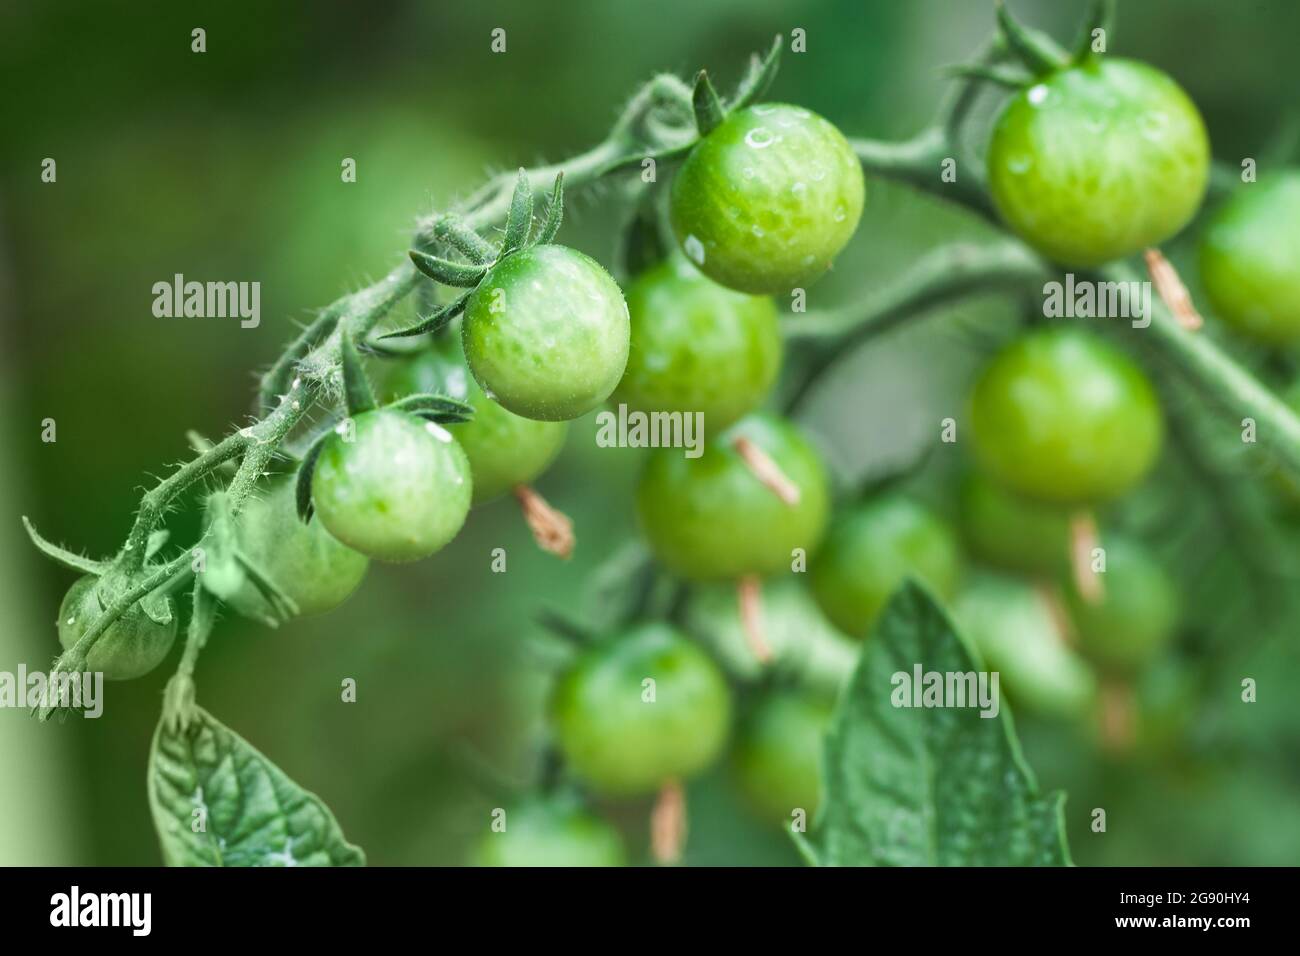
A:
<point x="442" y="409"/>
<point x="1101" y="17"/>
<point x="1037" y="51"/>
<point x="519" y="221"/>
<point x="758" y="77"/>
<point x="448" y="273"/>
<point x="640" y="243"/>
<point x="554" y="213"/>
<point x="436" y="322"/>
<point x="357" y="393"/>
<point x="709" y="112"/>
<point x="282" y="606"/>
<point x="69" y="559"/>
<point x="302" y="488"/>
<point x="157" y="606"/>
<point x="1003" y="75"/>
<point x="454" y="232"/>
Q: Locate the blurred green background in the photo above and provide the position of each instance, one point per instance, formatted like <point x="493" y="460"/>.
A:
<point x="226" y="165"/>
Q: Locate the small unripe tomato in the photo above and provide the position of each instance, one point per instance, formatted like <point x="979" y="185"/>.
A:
<point x="803" y="644"/>
<point x="777" y="758"/>
<point x="398" y="491"/>
<point x="504" y="449"/>
<point x="870" y="550"/>
<point x="301" y="558"/>
<point x="1018" y="635"/>
<point x="768" y="199"/>
<point x="711" y="518"/>
<point x="132" y="646"/>
<point x="1011" y="532"/>
<point x="1060" y="416"/>
<point x="1098" y="161"/>
<point x="1250" y="260"/>
<point x="639" y="709"/>
<point x="697" y="347"/>
<point x="550" y="833"/>
<point x="1135" y="619"/>
<point x="546" y="333"/>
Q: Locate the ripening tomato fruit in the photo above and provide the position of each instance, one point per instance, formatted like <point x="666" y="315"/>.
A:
<point x="550" y="833"/>
<point x="1098" y="161"/>
<point x="768" y="199"/>
<point x="1018" y="634"/>
<point x="1250" y="260"/>
<point x="303" y="560"/>
<point x="398" y="491"/>
<point x="804" y="645"/>
<point x="1012" y="532"/>
<point x="777" y="759"/>
<point x="132" y="646"/>
<point x="641" y="708"/>
<point x="504" y="449"/>
<point x="870" y="550"/>
<point x="1135" y="618"/>
<point x="711" y="518"/>
<point x="697" y="347"/>
<point x="546" y="333"/>
<point x="1059" y="416"/>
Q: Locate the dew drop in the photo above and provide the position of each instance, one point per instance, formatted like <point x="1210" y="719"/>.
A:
<point x="1037" y="95"/>
<point x="694" y="250"/>
<point x="765" y="109"/>
<point x="818" y="173"/>
<point x="760" y="137"/>
<point x="757" y="230"/>
<point x="749" y="172"/>
<point x="841" y="213"/>
<point x="1019" y="165"/>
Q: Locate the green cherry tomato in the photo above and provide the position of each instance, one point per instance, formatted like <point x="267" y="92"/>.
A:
<point x="398" y="491"/>
<point x="803" y="643"/>
<point x="1098" y="161"/>
<point x="777" y="757"/>
<point x="132" y="646"/>
<point x="550" y="833"/>
<point x="626" y="736"/>
<point x="1011" y="532"/>
<point x="1059" y="416"/>
<point x="711" y="518"/>
<point x="302" y="559"/>
<point x="504" y="449"/>
<point x="870" y="550"/>
<point x="1136" y="616"/>
<point x="546" y="333"/>
<point x="1250" y="260"/>
<point x="1018" y="635"/>
<point x="767" y="200"/>
<point x="697" y="347"/>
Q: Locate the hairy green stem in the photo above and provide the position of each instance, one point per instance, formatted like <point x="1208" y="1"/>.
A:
<point x="940" y="276"/>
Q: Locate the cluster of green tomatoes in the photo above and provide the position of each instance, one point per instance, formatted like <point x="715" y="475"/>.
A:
<point x="1092" y="162"/>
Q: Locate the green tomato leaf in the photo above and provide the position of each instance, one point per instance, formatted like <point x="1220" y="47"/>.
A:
<point x="217" y="801"/>
<point x="519" y="221"/>
<point x="69" y="559"/>
<point x="1100" y="17"/>
<point x="938" y="786"/>
<point x="157" y="606"/>
<point x="758" y="77"/>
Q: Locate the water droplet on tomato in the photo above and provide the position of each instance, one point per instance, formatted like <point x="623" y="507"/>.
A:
<point x="1037" y="95"/>
<point x="694" y="250"/>
<point x="760" y="137"/>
